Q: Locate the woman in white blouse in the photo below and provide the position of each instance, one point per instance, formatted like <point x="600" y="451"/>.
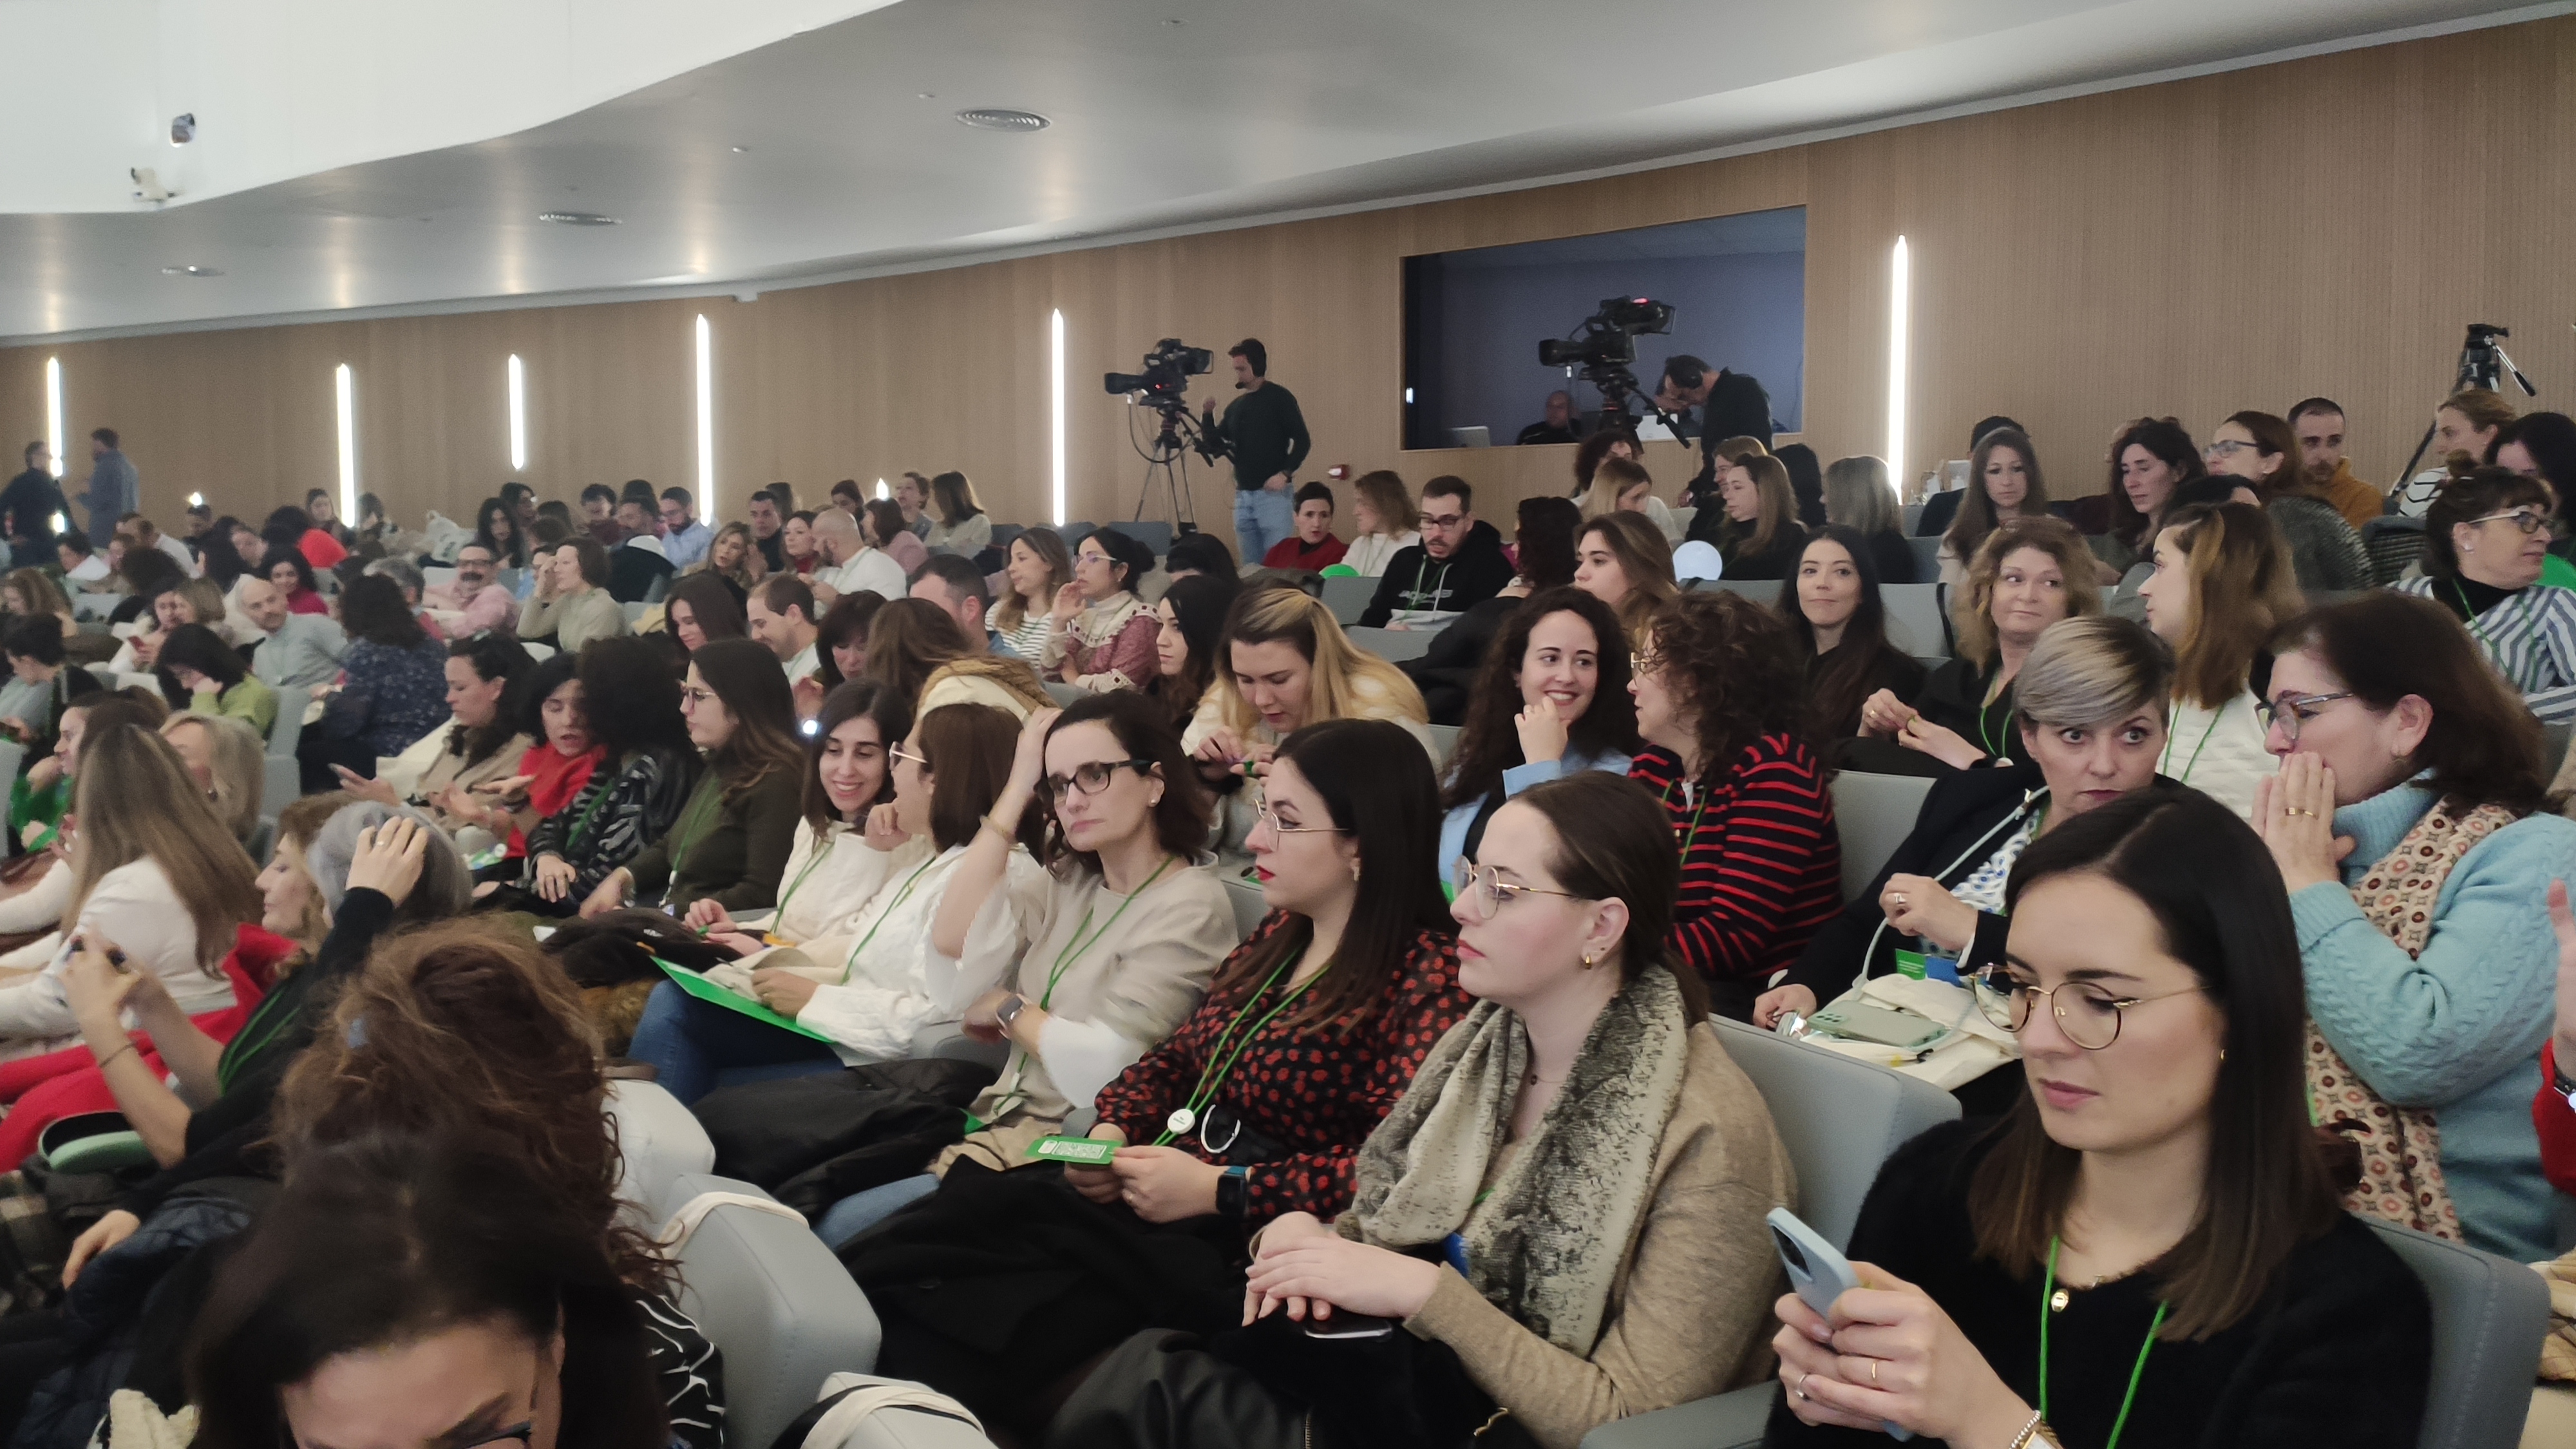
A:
<point x="156" y="881"/>
<point x="865" y="984"/>
<point x="1387" y="519"/>
<point x="2223" y="584"/>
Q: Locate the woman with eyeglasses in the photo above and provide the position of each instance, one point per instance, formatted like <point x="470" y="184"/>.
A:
<point x="864" y="984"/>
<point x="731" y="841"/>
<point x="1255" y="1107"/>
<point x="2262" y="450"/>
<point x="2410" y="820"/>
<point x="2486" y="536"/>
<point x="2148" y="1250"/>
<point x="1721" y="708"/>
<point x="2222" y="587"/>
<point x="1102" y="635"/>
<point x="2091" y="713"/>
<point x="1084" y="966"/>
<point x="1567" y="1201"/>
<point x="2026" y="576"/>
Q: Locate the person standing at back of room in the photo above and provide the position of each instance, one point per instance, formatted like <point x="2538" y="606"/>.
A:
<point x="114" y="490"/>
<point x="1268" y="437"/>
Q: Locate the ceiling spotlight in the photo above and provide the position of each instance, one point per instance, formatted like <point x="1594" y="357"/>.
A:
<point x="741" y="150"/>
<point x="993" y="118"/>
<point x="576" y="218"/>
<point x="183" y="128"/>
<point x="926" y="95"/>
<point x="192" y="270"/>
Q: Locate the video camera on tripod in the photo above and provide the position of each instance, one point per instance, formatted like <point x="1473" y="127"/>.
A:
<point x="1602" y="346"/>
<point x="1168" y="367"/>
<point x="2483" y="364"/>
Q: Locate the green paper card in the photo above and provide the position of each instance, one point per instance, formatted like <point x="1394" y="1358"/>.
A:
<point x="1910" y="964"/>
<point x="707" y="991"/>
<point x="1080" y="1151"/>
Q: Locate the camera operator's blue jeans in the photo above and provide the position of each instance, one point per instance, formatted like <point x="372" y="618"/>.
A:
<point x="1263" y="518"/>
<point x="688" y="1041"/>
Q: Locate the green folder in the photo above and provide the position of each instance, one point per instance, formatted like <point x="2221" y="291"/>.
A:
<point x="705" y="990"/>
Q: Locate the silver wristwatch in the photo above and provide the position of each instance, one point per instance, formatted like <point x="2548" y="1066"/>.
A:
<point x="1009" y="1010"/>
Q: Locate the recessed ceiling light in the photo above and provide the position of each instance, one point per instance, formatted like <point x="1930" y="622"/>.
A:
<point x="926" y="95"/>
<point x="576" y="218"/>
<point x="994" y="118"/>
<point x="740" y="150"/>
<point x="192" y="270"/>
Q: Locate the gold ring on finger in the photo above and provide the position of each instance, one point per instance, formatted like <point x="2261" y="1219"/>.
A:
<point x="1873" y="1373"/>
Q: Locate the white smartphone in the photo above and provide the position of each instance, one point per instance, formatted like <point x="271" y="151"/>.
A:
<point x="1818" y="1273"/>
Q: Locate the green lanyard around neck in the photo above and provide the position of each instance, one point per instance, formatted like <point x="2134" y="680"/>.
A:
<point x="1074" y="948"/>
<point x="779" y="917"/>
<point x="2166" y="765"/>
<point x="851" y="963"/>
<point x="1220" y="1066"/>
<point x="2048" y="1310"/>
<point x="693" y="825"/>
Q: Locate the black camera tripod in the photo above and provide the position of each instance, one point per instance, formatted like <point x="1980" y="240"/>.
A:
<point x="1167" y="463"/>
<point x="2483" y="363"/>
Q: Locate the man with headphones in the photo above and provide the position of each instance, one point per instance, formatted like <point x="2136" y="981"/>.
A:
<point x="1732" y="404"/>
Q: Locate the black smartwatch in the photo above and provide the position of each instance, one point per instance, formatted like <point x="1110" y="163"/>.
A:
<point x="1230" y="1190"/>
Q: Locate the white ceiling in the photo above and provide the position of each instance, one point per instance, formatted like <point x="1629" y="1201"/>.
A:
<point x="1245" y="108"/>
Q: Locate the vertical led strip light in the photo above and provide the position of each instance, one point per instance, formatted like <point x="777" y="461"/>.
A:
<point x="345" y="385"/>
<point x="1899" y="301"/>
<point x="518" y="415"/>
<point x="1055" y="365"/>
<point x="54" y="411"/>
<point x="706" y="419"/>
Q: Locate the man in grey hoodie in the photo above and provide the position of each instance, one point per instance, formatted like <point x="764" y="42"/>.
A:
<point x="114" y="491"/>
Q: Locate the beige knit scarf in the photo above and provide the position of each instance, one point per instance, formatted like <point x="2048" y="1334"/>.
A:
<point x="1546" y="1243"/>
<point x="2401" y="1147"/>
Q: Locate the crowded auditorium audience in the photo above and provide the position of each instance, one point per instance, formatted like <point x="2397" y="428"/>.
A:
<point x="1338" y="930"/>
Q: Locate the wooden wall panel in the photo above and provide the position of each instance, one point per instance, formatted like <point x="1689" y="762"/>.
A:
<point x="2240" y="240"/>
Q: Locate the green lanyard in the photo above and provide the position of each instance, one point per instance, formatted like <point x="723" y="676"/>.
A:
<point x="1219" y="1065"/>
<point x="779" y="917"/>
<point x="2166" y="765"/>
<point x="1008" y="1098"/>
<point x="2530" y="636"/>
<point x="572" y="837"/>
<point x="1682" y="833"/>
<point x="238" y="1052"/>
<point x="1074" y="948"/>
<point x="852" y="961"/>
<point x="693" y="824"/>
<point x="2048" y="1310"/>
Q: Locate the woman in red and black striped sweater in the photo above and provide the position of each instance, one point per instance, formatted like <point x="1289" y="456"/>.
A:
<point x="1313" y="1028"/>
<point x="1721" y="697"/>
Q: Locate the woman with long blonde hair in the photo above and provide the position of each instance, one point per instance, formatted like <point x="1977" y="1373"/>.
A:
<point x="2224" y="584"/>
<point x="1287" y="664"/>
<point x="734" y="556"/>
<point x="154" y="875"/>
<point x="2027" y="575"/>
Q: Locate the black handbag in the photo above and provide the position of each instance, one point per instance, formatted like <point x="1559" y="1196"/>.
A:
<point x="1388" y="1391"/>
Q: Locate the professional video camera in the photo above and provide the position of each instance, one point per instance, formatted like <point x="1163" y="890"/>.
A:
<point x="1168" y="370"/>
<point x="1605" y="343"/>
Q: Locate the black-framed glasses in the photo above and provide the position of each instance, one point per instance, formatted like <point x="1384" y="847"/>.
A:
<point x="1090" y="779"/>
<point x="2293" y="710"/>
<point x="1486" y="892"/>
<point x="2088" y="1012"/>
<point x="2526" y="521"/>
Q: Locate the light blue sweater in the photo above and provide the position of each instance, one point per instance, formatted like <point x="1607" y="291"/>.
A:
<point x="2457" y="1029"/>
<point x="1453" y="829"/>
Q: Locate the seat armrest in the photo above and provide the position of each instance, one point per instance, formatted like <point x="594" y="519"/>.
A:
<point x="1726" y="1421"/>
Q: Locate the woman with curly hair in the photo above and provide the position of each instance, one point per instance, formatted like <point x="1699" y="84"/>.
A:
<point x="1551" y="700"/>
<point x="1721" y="703"/>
